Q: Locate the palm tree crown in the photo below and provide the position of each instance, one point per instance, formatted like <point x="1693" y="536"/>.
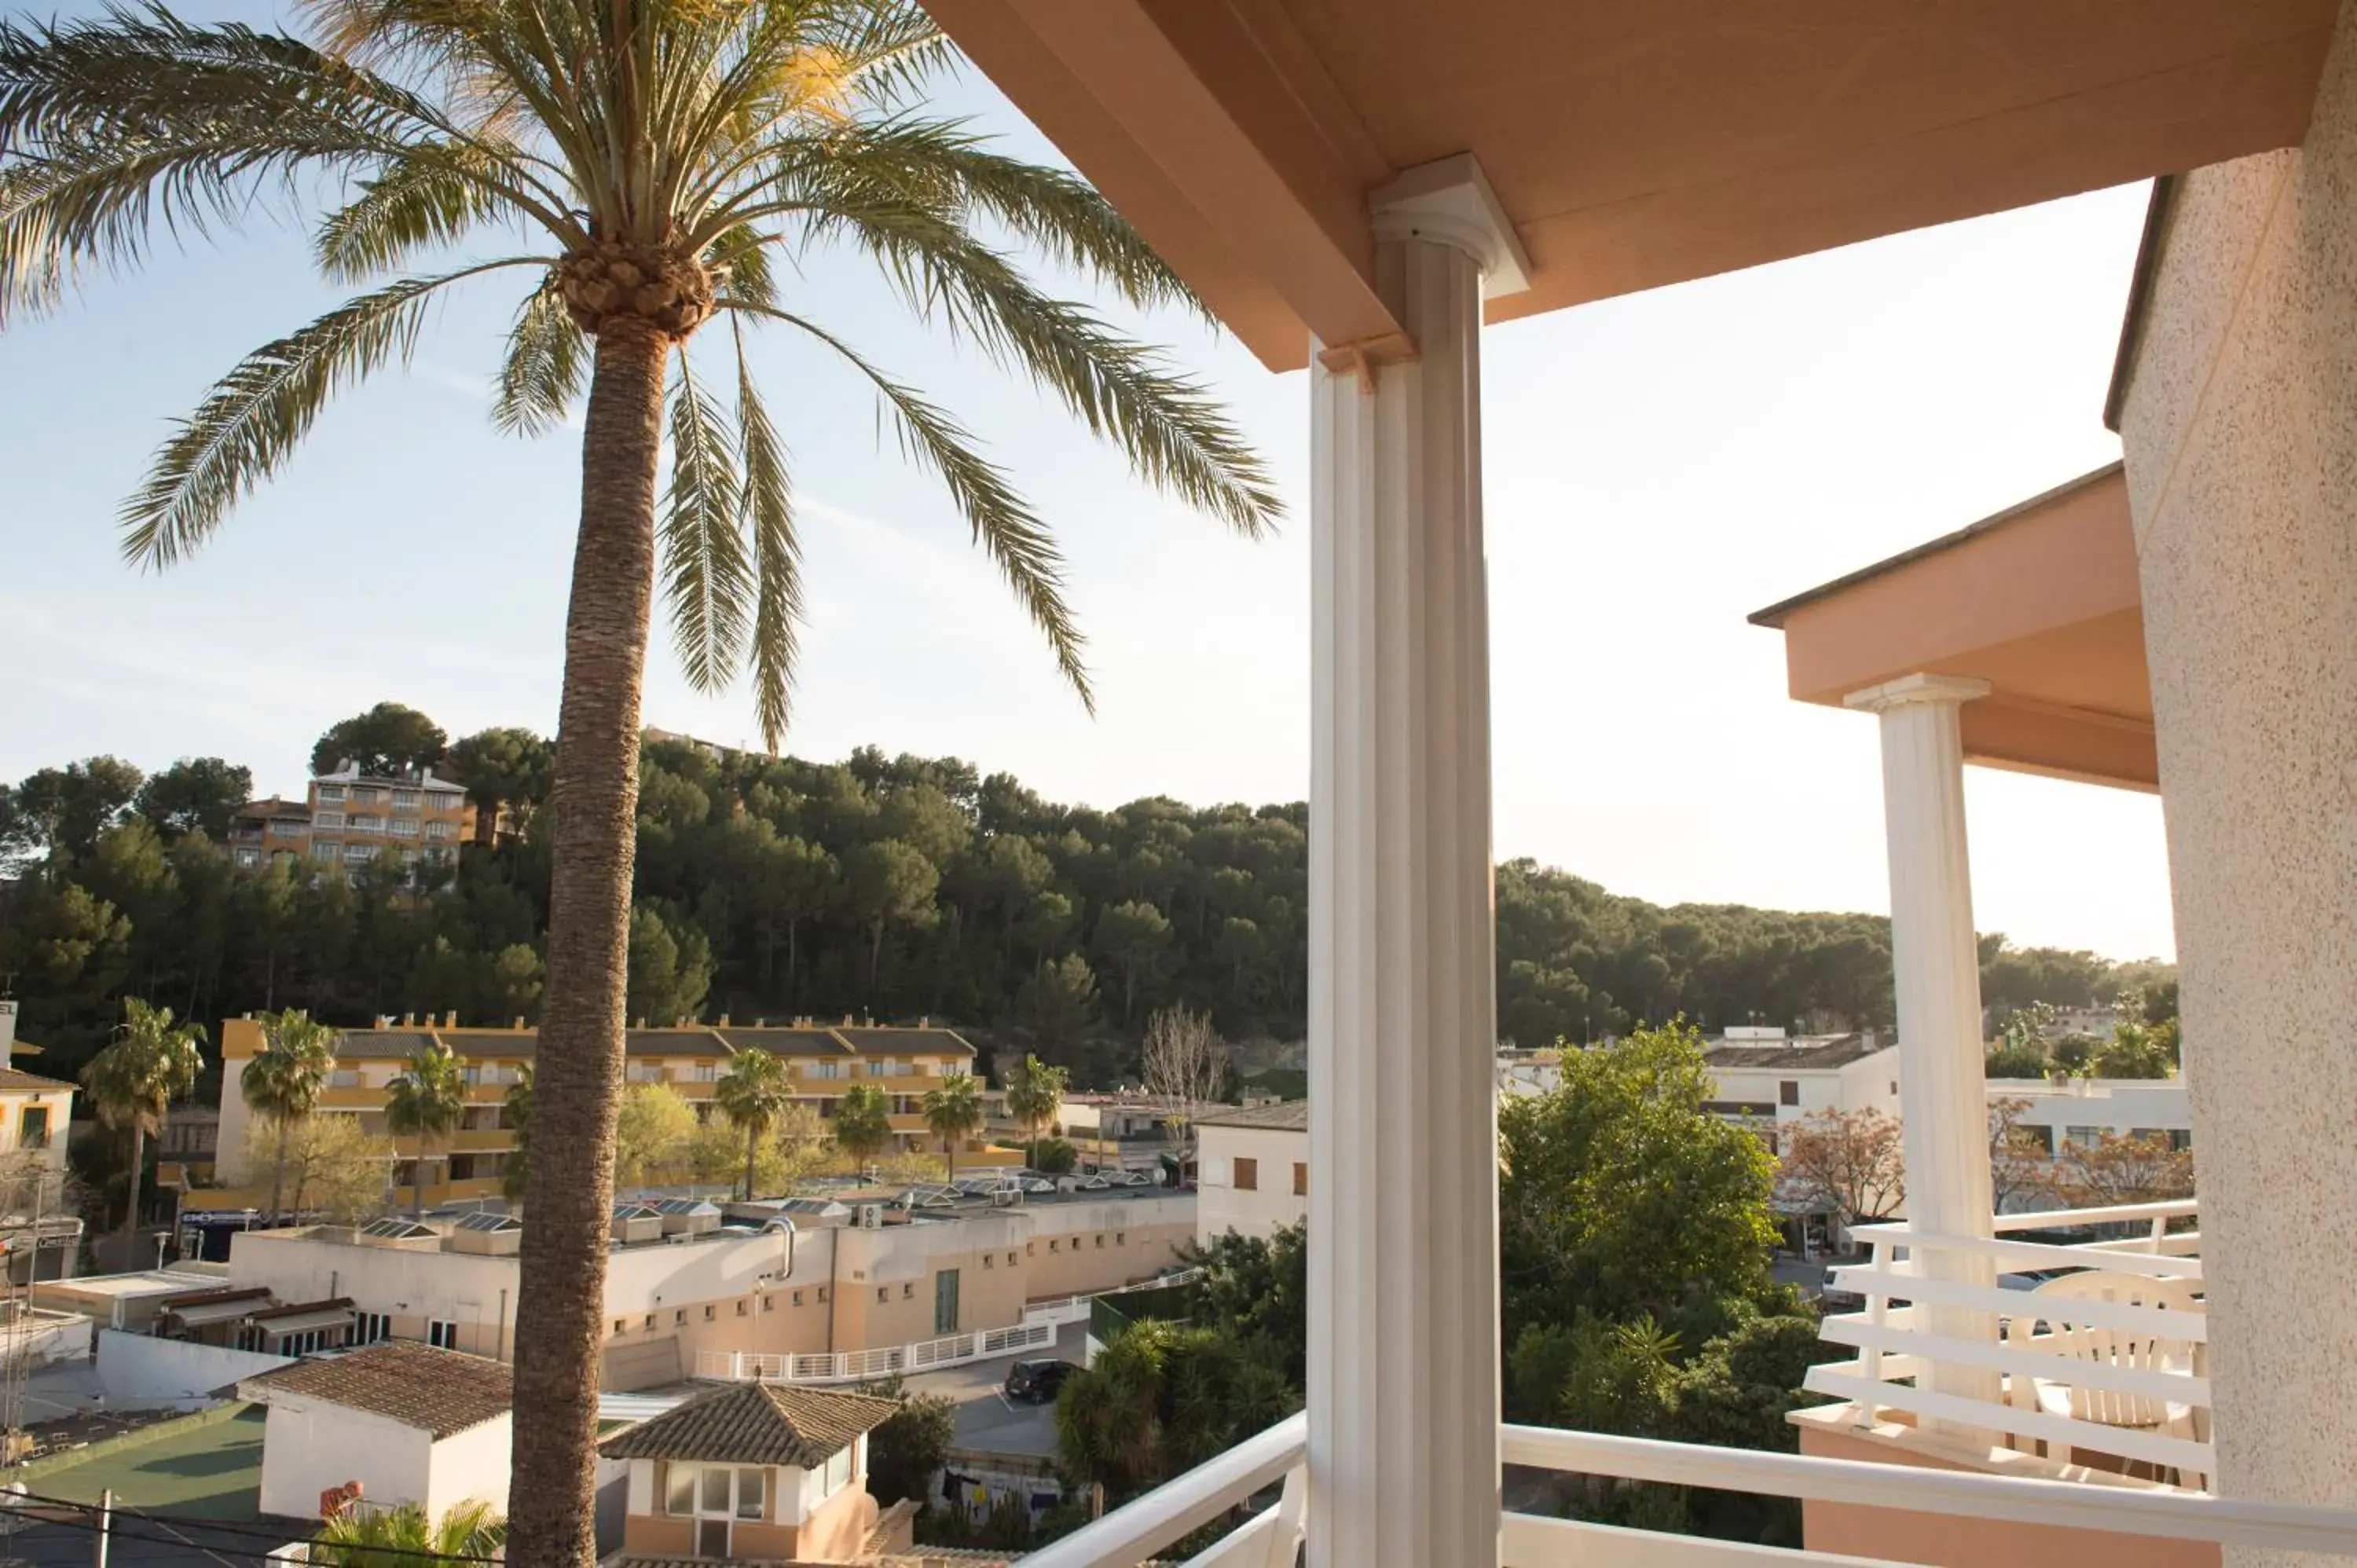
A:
<point x="132" y="1082"/>
<point x="425" y="1102"/>
<point x="954" y="1110"/>
<point x="407" y="1537"/>
<point x="862" y="1122"/>
<point x="661" y="157"/>
<point x="753" y="1093"/>
<point x="283" y="1081"/>
<point x="1035" y="1093"/>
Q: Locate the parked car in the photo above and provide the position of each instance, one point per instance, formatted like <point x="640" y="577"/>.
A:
<point x="1037" y="1382"/>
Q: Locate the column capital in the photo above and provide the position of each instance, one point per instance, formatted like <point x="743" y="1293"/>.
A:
<point x="1450" y="202"/>
<point x="1915" y="691"/>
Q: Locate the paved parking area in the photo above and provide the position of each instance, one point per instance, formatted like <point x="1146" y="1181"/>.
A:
<point x="986" y="1419"/>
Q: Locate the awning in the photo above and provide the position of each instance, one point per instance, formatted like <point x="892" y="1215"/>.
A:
<point x="198" y="1313"/>
<point x="301" y="1322"/>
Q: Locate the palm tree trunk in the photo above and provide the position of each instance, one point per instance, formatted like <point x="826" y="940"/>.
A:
<point x="752" y="1143"/>
<point x="131" y="1214"/>
<point x="594" y="799"/>
<point x="278" y="1171"/>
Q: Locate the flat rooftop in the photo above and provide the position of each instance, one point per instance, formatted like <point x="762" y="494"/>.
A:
<point x="205" y="1466"/>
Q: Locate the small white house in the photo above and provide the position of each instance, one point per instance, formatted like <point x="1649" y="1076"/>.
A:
<point x="1252" y="1169"/>
<point x="409" y="1423"/>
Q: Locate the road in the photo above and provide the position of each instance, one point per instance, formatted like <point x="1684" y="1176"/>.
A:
<point x="986" y="1419"/>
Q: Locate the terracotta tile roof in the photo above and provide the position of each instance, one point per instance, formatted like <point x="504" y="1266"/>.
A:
<point x="17" y="1080"/>
<point x="440" y="1391"/>
<point x="1288" y="1115"/>
<point x="754" y="1423"/>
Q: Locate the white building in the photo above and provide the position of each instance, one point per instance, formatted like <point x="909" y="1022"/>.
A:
<point x="2081" y="1110"/>
<point x="1771" y="1080"/>
<point x="410" y="1424"/>
<point x="1254" y="1166"/>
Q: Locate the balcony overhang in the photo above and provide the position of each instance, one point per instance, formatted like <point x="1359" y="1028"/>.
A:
<point x="1629" y="145"/>
<point x="2040" y="601"/>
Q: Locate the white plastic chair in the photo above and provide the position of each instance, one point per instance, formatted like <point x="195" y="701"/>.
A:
<point x="2067" y="1340"/>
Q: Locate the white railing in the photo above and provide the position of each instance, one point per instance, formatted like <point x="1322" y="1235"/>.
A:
<point x="1130" y="1534"/>
<point x="861" y="1366"/>
<point x="2115" y="1369"/>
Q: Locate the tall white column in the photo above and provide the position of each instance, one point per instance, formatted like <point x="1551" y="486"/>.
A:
<point x="1943" y="1086"/>
<point x="1403" y="1197"/>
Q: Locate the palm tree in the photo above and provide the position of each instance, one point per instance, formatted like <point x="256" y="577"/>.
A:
<point x="282" y="1083"/>
<point x="954" y="1110"/>
<point x="516" y="1111"/>
<point x="133" y="1083"/>
<point x="862" y="1122"/>
<point x="753" y="1093"/>
<point x="405" y="1537"/>
<point x="659" y="159"/>
<point x="425" y="1102"/>
<point x="1035" y="1093"/>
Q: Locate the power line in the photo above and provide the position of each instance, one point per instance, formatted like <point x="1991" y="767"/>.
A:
<point x="277" y="1538"/>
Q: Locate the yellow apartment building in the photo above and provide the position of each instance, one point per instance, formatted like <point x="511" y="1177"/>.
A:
<point x="348" y="818"/>
<point x="905" y="1062"/>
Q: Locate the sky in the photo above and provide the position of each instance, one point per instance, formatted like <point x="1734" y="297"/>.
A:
<point x="1656" y="467"/>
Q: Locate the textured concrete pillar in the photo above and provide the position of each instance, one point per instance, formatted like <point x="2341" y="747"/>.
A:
<point x="1935" y="962"/>
<point x="1403" y="1141"/>
<point x="2239" y="420"/>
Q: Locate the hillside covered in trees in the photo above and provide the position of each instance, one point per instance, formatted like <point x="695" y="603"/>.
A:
<point x="891" y="886"/>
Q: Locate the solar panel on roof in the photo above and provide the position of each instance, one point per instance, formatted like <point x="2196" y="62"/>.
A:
<point x="397" y="1229"/>
<point x="491" y="1222"/>
<point x="636" y="1211"/>
<point x="679" y="1205"/>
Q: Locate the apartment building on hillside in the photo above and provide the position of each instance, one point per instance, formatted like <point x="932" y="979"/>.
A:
<point x="348" y="818"/>
<point x="39" y="1234"/>
<point x="904" y="1062"/>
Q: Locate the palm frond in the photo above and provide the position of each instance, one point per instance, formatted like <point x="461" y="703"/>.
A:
<point x="706" y="578"/>
<point x="546" y="361"/>
<point x="427" y="199"/>
<point x="776" y="557"/>
<point x="1170" y="426"/>
<point x="739" y="261"/>
<point x="255" y="418"/>
<point x="1002" y="521"/>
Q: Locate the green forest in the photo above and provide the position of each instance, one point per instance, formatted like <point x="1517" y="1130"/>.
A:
<point x="891" y="887"/>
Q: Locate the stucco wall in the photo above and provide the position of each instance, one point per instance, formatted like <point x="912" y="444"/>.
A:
<point x="1221" y="1205"/>
<point x="308" y="1447"/>
<point x="2241" y="428"/>
<point x="471" y="1465"/>
<point x="139" y="1372"/>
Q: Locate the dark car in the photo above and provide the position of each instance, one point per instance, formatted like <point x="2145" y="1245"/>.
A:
<point x="1037" y="1382"/>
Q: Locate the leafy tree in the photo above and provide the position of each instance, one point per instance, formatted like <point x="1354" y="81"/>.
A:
<point x="863" y="1122"/>
<point x="1133" y="938"/>
<point x="670" y="967"/>
<point x="132" y="1082"/>
<point x="652" y="1135"/>
<point x="889" y="884"/>
<point x="1160" y="1398"/>
<point x="195" y="795"/>
<point x="1850" y="1161"/>
<point x="501" y="768"/>
<point x="2075" y="1053"/>
<point x="1255" y="1291"/>
<point x="337" y="1170"/>
<point x="425" y="1102"/>
<point x="2021" y="1164"/>
<point x="2011" y="1058"/>
<point x="57" y="813"/>
<point x="953" y="1110"/>
<point x="914" y="1443"/>
<point x="389" y="739"/>
<point x="2118" y="1168"/>
<point x="1054" y="1156"/>
<point x="282" y="1083"/>
<point x="1035" y="1093"/>
<point x="1619" y="1193"/>
<point x="752" y="1094"/>
<point x="800" y="1144"/>
<point x="2138" y="1051"/>
<point x="406" y="1536"/>
<point x="1060" y="1001"/>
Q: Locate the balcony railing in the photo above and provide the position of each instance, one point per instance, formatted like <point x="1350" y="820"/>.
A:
<point x="1270" y="1537"/>
<point x="2107" y="1353"/>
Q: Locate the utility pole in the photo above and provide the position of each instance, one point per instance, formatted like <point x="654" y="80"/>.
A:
<point x="105" y="1525"/>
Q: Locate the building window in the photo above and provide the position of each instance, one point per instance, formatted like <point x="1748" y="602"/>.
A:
<point x="401" y="828"/>
<point x="331" y="791"/>
<point x="621" y="1326"/>
<point x="679" y="1319"/>
<point x="1031" y="1249"/>
<point x="248" y="857"/>
<point x="33" y="1127"/>
<point x="707" y="1312"/>
<point x="1788" y="1092"/>
<point x="2180" y="1138"/>
<point x="2083" y="1137"/>
<point x="363" y="823"/>
<point x="768" y="1303"/>
<point x="328" y="821"/>
<point x="326" y="849"/>
<point x="822" y="1296"/>
<point x="369" y="1327"/>
<point x="797" y="1298"/>
<point x="1121" y="1238"/>
<point x="749" y="1488"/>
<point x="1300" y="1179"/>
<point x="438" y="829"/>
<point x="442" y="1334"/>
<point x="837" y="1474"/>
<point x="405" y="799"/>
<point x="908" y="1292"/>
<point x="742" y="1310"/>
<point x="1010" y="1260"/>
<point x="288" y="830"/>
<point x="1055" y="1246"/>
<point x="1247" y="1174"/>
<point x="679" y="1494"/>
<point x="365" y="797"/>
<point x="650" y="1321"/>
<point x="1100" y="1238"/>
<point x="358" y="852"/>
<point x="883" y="1293"/>
<point x="990" y="1260"/>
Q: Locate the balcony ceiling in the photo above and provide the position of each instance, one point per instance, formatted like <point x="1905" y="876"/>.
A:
<point x="2041" y="601"/>
<point x="1634" y="143"/>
